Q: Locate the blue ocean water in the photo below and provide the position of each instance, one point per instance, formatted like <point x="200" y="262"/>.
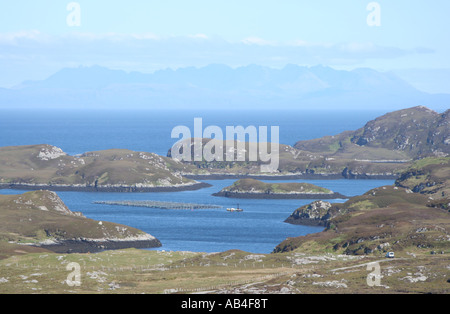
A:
<point x="259" y="228"/>
<point x="150" y="131"/>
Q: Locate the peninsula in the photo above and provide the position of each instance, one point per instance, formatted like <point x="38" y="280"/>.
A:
<point x="40" y="221"/>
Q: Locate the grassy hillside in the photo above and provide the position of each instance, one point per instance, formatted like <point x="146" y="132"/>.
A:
<point x="49" y="165"/>
<point x="232" y="272"/>
<point x="336" y="260"/>
<point x="400" y="135"/>
<point x="384" y="147"/>
<point x="388" y="218"/>
<point x="383" y="219"/>
<point x="429" y="176"/>
<point x="298" y="162"/>
<point x="41" y="219"/>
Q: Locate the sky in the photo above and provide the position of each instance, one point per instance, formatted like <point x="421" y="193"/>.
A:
<point x="410" y="38"/>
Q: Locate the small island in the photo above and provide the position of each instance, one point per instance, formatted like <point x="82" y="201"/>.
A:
<point x="255" y="189"/>
<point x="46" y="167"/>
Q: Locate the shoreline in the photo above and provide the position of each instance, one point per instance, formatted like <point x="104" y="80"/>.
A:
<point x="86" y="246"/>
<point x="305" y="196"/>
<point x="191" y="187"/>
<point x="306" y="222"/>
<point x="108" y="189"/>
<point x="308" y="176"/>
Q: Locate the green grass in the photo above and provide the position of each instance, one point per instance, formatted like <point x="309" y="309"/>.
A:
<point x="23" y="220"/>
<point x="386" y="214"/>
<point x="251" y="185"/>
<point x="140" y="271"/>
<point x="421" y="163"/>
<point x="21" y="164"/>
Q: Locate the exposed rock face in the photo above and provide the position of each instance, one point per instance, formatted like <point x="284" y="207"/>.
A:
<point x="316" y="214"/>
<point x="429" y="176"/>
<point x="48" y="152"/>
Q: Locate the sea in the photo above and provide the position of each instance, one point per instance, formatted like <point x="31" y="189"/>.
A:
<point x="257" y="229"/>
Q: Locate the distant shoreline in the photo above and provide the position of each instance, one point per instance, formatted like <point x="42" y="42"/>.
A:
<point x="304" y="196"/>
<point x="188" y="187"/>
<point x="117" y="189"/>
<point x="307" y="176"/>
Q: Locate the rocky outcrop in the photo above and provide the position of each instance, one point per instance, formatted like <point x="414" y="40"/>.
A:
<point x="429" y="176"/>
<point x="314" y="214"/>
<point x="97" y="245"/>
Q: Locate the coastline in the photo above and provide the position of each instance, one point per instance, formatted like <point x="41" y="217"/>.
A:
<point x="91" y="246"/>
<point x="195" y="186"/>
<point x="281" y="195"/>
<point x="306" y="176"/>
<point x="117" y="189"/>
<point x="306" y="222"/>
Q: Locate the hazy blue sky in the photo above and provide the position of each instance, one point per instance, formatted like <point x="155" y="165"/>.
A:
<point x="138" y="35"/>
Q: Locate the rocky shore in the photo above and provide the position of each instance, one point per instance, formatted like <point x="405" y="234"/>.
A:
<point x="280" y="195"/>
<point x="98" y="245"/>
<point x="40" y="219"/>
<point x="255" y="189"/>
<point x="295" y="176"/>
<point x="107" y="188"/>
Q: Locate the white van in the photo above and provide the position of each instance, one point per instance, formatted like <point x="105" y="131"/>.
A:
<point x="390" y="254"/>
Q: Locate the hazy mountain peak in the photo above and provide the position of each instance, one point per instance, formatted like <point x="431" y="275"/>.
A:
<point x="250" y="86"/>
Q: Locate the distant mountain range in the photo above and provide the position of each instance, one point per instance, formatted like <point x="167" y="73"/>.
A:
<point x="220" y="86"/>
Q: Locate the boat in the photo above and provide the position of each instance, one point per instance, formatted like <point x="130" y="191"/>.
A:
<point x="232" y="209"/>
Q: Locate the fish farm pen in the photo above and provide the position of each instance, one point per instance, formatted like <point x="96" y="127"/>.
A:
<point x="158" y="204"/>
